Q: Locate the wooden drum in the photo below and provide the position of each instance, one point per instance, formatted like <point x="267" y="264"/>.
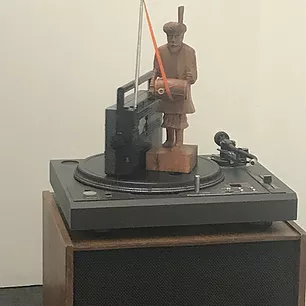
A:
<point x="179" y="89"/>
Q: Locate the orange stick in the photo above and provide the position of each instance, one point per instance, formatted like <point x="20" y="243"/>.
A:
<point x="161" y="66"/>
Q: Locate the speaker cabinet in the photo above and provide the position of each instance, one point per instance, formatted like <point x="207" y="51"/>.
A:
<point x="211" y="266"/>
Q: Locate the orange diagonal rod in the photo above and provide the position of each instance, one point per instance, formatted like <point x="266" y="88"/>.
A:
<point x="161" y="66"/>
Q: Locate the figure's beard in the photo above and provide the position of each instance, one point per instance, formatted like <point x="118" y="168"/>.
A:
<point x="174" y="47"/>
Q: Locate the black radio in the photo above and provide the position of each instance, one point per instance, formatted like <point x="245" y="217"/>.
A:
<point x="131" y="130"/>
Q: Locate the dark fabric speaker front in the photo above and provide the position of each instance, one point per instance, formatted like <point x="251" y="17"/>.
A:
<point x="251" y="274"/>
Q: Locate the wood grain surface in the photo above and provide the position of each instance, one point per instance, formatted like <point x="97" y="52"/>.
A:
<point x="180" y="159"/>
<point x="57" y="257"/>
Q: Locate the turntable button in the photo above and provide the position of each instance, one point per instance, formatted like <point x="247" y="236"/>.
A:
<point x="108" y="194"/>
<point x="267" y="179"/>
<point x="89" y="193"/>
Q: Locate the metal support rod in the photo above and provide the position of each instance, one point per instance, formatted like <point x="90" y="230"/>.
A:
<point x="197" y="183"/>
<point x="138" y="56"/>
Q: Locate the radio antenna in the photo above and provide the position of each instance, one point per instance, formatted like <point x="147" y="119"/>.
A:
<point x="138" y="53"/>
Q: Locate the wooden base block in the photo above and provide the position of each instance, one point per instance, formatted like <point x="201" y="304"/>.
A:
<point x="178" y="159"/>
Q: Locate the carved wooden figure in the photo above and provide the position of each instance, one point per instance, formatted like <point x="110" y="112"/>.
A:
<point x="180" y="66"/>
<point x="175" y="69"/>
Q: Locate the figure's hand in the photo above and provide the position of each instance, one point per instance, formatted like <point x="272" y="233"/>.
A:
<point x="189" y="77"/>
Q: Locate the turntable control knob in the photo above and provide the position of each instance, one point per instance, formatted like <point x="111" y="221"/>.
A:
<point x="267" y="179"/>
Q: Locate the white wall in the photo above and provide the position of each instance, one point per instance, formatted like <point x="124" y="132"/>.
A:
<point x="61" y="62"/>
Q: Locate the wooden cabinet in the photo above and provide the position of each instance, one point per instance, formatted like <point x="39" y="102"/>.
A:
<point x="211" y="265"/>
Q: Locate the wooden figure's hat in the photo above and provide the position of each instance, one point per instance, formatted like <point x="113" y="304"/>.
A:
<point x="176" y="27"/>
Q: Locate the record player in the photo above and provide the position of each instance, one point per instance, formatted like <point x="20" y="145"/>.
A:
<point x="117" y="190"/>
<point x="224" y="188"/>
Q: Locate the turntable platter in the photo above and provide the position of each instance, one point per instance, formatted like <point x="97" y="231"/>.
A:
<point x="90" y="171"/>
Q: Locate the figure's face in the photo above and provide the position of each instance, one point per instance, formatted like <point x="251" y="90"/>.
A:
<point x="175" y="41"/>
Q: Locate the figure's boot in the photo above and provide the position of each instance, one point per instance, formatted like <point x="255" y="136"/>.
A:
<point x="169" y="143"/>
<point x="179" y="137"/>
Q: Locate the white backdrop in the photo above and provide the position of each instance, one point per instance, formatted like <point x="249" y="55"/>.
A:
<point x="61" y="62"/>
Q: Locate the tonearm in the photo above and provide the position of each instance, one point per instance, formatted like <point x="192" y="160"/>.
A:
<point x="229" y="153"/>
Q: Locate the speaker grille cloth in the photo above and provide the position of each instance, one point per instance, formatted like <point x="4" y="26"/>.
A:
<point x="264" y="273"/>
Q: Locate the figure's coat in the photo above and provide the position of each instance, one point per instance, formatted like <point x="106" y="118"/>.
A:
<point x="176" y="66"/>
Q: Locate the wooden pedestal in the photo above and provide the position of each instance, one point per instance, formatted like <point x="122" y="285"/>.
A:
<point x="178" y="159"/>
<point x="213" y="266"/>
